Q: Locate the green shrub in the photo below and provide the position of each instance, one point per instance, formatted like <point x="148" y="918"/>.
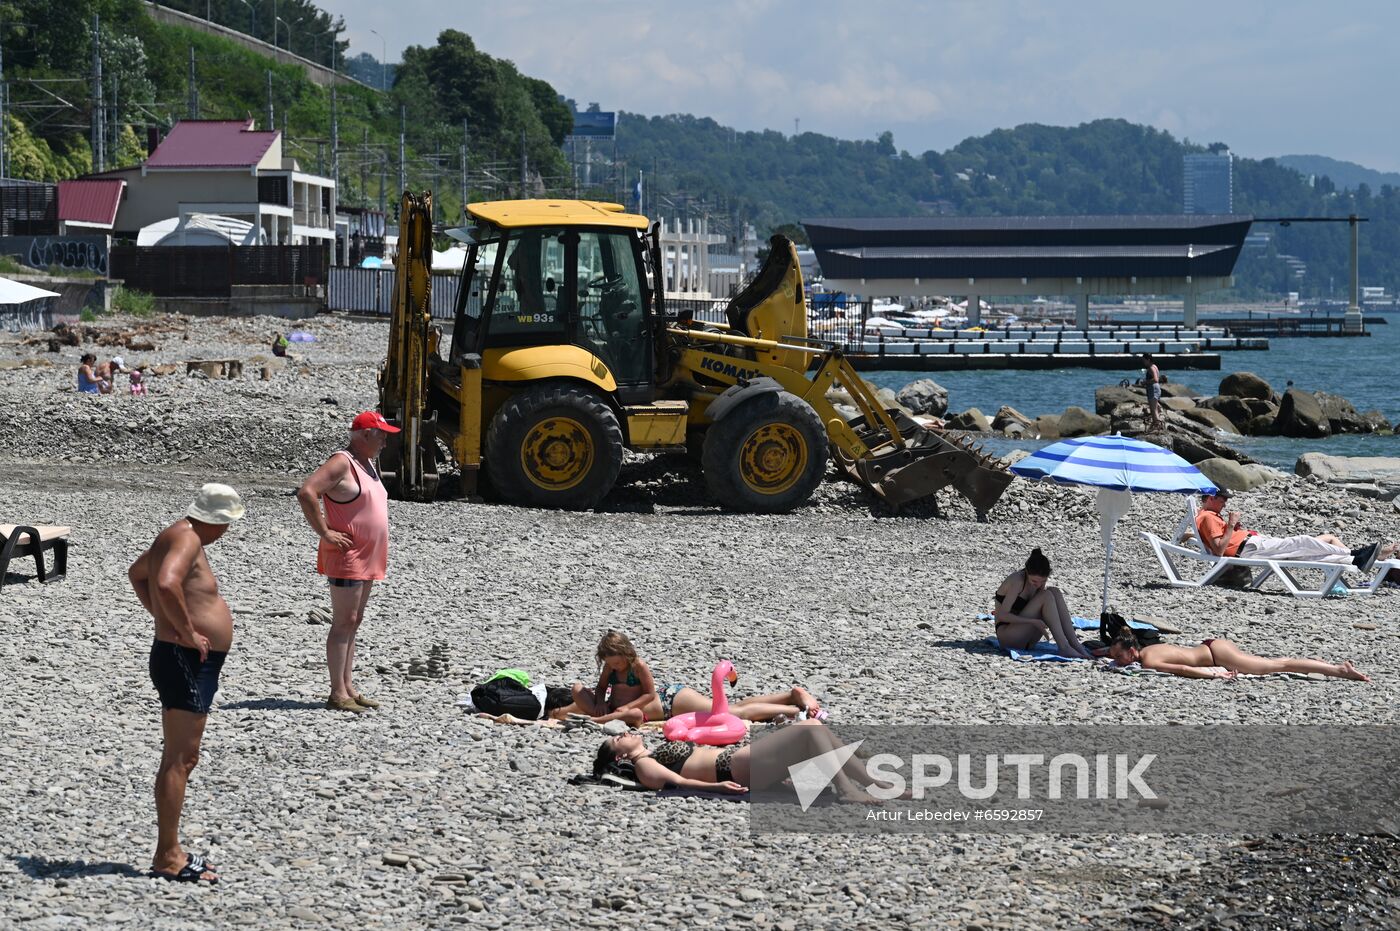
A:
<point x="135" y="303"/>
<point x="9" y="265"/>
<point x="86" y="315"/>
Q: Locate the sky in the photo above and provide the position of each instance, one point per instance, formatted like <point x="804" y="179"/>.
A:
<point x="1267" y="78"/>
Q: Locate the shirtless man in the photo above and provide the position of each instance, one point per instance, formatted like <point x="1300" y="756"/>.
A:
<point x="194" y="631"/>
<point x="1152" y="381"/>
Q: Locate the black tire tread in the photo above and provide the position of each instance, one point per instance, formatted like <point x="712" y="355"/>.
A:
<point x="502" y="450"/>
<point x="719" y="457"/>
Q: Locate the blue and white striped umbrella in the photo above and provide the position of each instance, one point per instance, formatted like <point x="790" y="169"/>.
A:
<point x="1116" y="465"/>
<point x="1118" y="462"/>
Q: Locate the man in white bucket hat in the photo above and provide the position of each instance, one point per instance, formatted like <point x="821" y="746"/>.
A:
<point x="194" y="630"/>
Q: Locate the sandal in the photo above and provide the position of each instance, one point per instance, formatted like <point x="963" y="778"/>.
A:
<point x="345" y="704"/>
<point x="192" y="872"/>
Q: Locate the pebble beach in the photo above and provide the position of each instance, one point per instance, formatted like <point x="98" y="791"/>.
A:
<point x="419" y="815"/>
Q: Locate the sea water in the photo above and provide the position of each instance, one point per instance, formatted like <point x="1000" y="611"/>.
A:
<point x="1363" y="369"/>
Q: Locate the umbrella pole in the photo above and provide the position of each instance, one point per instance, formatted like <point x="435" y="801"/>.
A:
<point x="1107" y="569"/>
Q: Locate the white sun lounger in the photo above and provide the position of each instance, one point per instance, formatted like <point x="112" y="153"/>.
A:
<point x="1185" y="552"/>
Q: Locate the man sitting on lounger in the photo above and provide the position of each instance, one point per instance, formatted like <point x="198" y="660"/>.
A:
<point x="1226" y="536"/>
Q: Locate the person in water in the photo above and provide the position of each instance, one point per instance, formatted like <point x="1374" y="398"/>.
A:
<point x="1025" y="609"/>
<point x="1209" y="657"/>
<point x="680" y="764"/>
<point x="626" y="691"/>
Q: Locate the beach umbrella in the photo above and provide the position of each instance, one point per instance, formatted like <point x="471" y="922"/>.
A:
<point x="1117" y="466"/>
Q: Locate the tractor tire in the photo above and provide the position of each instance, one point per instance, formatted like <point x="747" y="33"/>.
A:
<point x="766" y="456"/>
<point x="554" y="445"/>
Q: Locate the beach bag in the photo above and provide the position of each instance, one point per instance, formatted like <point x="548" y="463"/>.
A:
<point x="1111" y="624"/>
<point x="509" y="691"/>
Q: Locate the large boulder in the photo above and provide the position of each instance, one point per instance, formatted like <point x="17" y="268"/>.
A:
<point x="1076" y="421"/>
<point x="1047" y="426"/>
<point x="1230" y="407"/>
<point x="1178" y="403"/>
<point x="1213" y="419"/>
<point x="1376" y="421"/>
<point x="1110" y="396"/>
<point x="1225" y="473"/>
<point x="1379" y="470"/>
<point x="1299" y="415"/>
<point x="924" y="396"/>
<point x="1340" y="414"/>
<point x="971" y="419"/>
<point x="1008" y="415"/>
<point x="1175" y="389"/>
<point x="1245" y="385"/>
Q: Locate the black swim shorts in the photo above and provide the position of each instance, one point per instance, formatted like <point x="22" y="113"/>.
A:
<point x="182" y="681"/>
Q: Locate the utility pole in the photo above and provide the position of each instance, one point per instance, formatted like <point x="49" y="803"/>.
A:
<point x="4" y="92"/>
<point x="524" y="165"/>
<point x="335" y="154"/>
<point x="99" y="134"/>
<point x="115" y="121"/>
<point x="193" y="89"/>
<point x="462" y="157"/>
<point x="403" y="167"/>
<point x="383" y="184"/>
<point x="271" y="124"/>
<point x="364" y="159"/>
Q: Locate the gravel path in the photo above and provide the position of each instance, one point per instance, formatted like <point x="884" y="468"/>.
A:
<point x="419" y="816"/>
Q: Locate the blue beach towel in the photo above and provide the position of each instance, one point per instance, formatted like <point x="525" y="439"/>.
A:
<point x="1041" y="651"/>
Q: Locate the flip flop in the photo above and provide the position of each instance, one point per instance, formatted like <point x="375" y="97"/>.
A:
<point x="192" y="872"/>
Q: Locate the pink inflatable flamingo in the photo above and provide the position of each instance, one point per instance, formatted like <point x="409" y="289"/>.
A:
<point x="716" y="727"/>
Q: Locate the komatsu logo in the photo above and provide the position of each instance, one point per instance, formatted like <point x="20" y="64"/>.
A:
<point x="720" y="367"/>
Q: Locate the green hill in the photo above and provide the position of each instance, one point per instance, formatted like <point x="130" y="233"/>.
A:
<point x="1343" y="174"/>
<point x="1106" y="166"/>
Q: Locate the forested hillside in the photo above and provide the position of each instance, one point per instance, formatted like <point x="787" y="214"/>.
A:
<point x="1107" y="166"/>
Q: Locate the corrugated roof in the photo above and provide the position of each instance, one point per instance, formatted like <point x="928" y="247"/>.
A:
<point x="212" y="144"/>
<point x="91" y="201"/>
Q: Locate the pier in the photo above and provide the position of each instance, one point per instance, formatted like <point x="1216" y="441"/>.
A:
<point x="1290" y="326"/>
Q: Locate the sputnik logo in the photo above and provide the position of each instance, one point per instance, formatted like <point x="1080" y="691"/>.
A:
<point x="811" y="777"/>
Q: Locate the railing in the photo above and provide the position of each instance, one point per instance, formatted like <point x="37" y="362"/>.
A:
<point x="371" y="291"/>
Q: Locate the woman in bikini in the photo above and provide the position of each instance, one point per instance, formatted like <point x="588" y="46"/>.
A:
<point x="1204" y="660"/>
<point x="729" y="769"/>
<point x="1026" y="609"/>
<point x="627" y="692"/>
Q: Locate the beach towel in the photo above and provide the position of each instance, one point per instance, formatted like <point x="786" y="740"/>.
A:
<point x="610" y="780"/>
<point x="1045" y="650"/>
<point x="1084" y="623"/>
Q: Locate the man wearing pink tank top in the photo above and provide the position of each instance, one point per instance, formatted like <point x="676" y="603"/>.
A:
<point x="345" y="503"/>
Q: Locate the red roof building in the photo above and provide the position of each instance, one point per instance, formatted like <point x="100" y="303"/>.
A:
<point x="90" y="203"/>
<point x="213" y="144"/>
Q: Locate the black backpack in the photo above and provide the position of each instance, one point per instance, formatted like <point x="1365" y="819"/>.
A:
<point x="1111" y="624"/>
<point x="506" y="696"/>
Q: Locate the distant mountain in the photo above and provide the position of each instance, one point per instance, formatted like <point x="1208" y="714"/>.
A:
<point x="1345" y="175"/>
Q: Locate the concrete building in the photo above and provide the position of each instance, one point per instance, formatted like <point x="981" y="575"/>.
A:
<point x="227" y="168"/>
<point x="1208" y="183"/>
<point x="685" y="257"/>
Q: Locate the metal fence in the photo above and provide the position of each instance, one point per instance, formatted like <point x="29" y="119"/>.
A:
<point x="208" y="271"/>
<point x="371" y="291"/>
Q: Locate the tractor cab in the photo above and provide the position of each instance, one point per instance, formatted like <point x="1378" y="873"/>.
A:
<point x="558" y="283"/>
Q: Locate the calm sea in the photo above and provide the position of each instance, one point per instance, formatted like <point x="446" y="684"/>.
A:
<point x="1364" y="370"/>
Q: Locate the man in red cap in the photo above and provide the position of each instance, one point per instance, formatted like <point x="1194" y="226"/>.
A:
<point x="345" y="503"/>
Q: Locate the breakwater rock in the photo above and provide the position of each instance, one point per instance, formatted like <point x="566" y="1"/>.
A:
<point x="1370" y="476"/>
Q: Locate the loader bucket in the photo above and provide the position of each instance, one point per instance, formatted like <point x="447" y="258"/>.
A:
<point x="928" y="461"/>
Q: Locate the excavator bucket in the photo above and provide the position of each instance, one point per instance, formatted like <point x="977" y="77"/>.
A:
<point x="927" y="461"/>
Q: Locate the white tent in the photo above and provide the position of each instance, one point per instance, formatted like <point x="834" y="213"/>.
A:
<point x="17" y="292"/>
<point x="201" y="229"/>
<point x="449" y="260"/>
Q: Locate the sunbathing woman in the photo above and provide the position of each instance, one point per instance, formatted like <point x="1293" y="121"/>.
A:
<point x="1196" y="662"/>
<point x="635" y="697"/>
<point x="728" y="769"/>
<point x="1026" y="609"/>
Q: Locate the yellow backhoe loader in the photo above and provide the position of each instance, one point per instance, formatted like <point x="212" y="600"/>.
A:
<point x="562" y="355"/>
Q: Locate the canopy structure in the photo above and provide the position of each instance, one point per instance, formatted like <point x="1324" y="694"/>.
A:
<point x="17" y="292"/>
<point x="1117" y="466"/>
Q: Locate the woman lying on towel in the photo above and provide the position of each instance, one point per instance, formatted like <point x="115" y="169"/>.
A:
<point x="1205" y="660"/>
<point x="729" y="769"/>
<point x="1026" y="609"/>
<point x="627" y="692"/>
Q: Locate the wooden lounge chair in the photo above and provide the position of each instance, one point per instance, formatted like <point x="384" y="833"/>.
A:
<point x="21" y="540"/>
<point x="1186" y="549"/>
